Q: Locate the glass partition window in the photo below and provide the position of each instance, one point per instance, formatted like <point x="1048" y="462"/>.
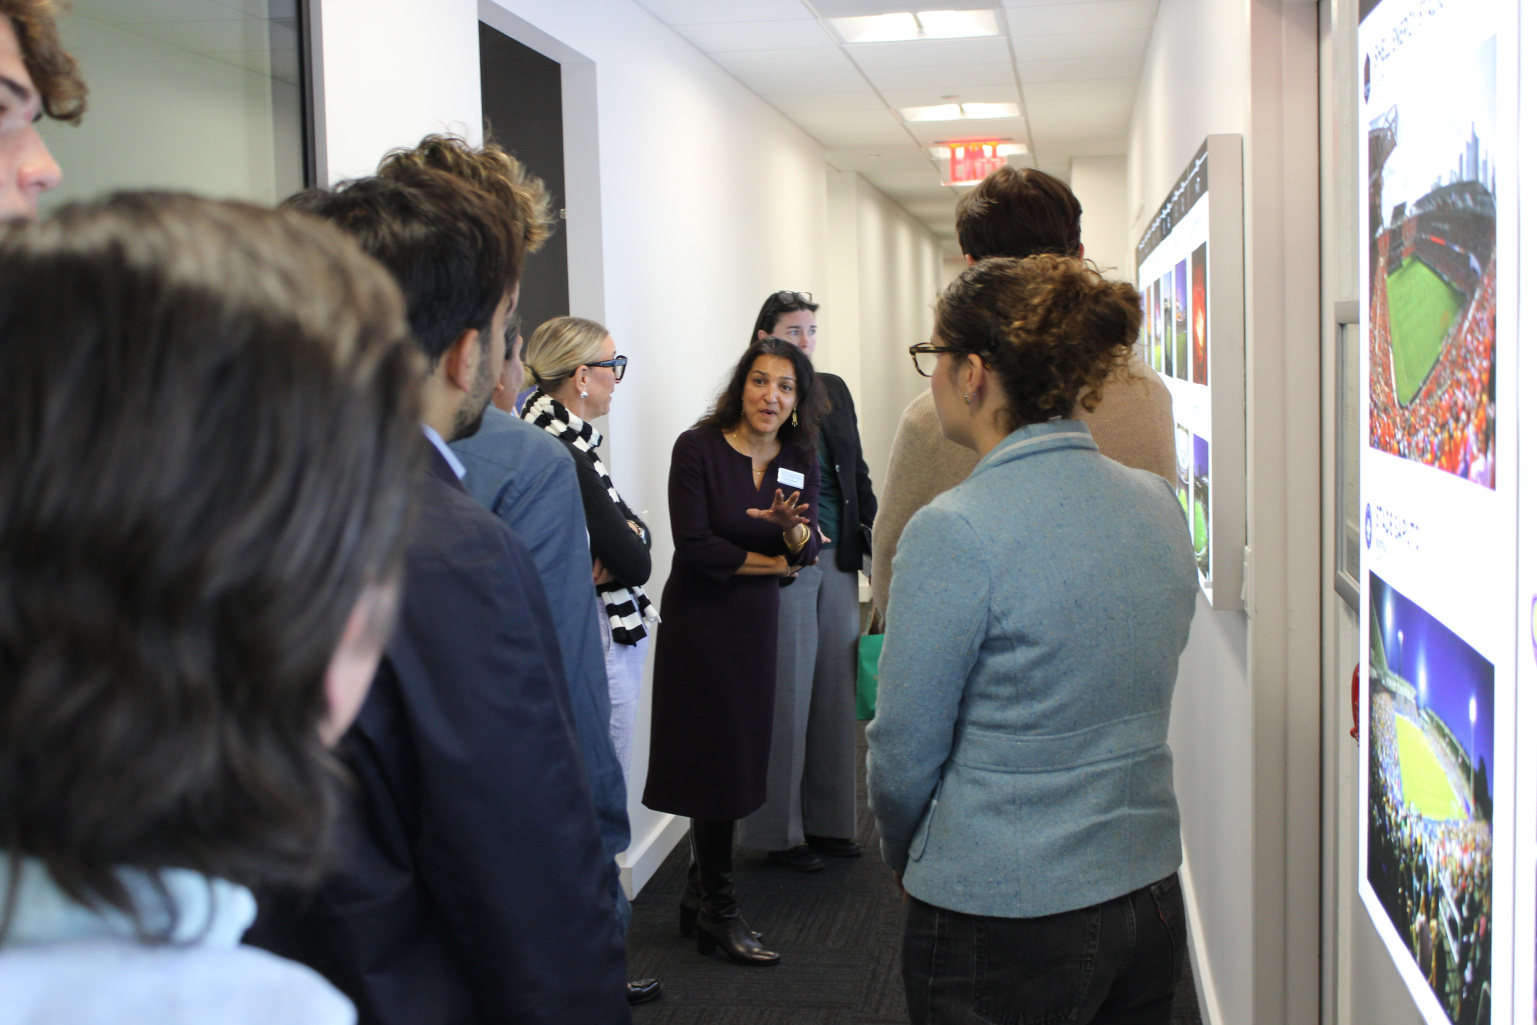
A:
<point x="205" y="96"/>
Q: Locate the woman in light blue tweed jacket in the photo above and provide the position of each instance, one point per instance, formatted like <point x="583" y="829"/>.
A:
<point x="1019" y="769"/>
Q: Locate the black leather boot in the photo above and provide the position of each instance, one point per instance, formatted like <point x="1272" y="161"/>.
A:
<point x="719" y="923"/>
<point x="693" y="900"/>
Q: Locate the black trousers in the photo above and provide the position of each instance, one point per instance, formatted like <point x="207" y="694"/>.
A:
<point x="1115" y="963"/>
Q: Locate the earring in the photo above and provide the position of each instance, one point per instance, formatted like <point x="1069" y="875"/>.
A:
<point x="795" y="420"/>
<point x="966" y="399"/>
<point x="584" y="395"/>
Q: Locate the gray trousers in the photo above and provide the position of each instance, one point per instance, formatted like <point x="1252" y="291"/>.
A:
<point x="811" y="755"/>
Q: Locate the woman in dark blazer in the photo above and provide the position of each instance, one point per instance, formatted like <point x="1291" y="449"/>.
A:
<point x="810" y="811"/>
<point x="742" y="495"/>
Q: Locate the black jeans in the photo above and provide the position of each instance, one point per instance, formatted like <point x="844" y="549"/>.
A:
<point x="1116" y="962"/>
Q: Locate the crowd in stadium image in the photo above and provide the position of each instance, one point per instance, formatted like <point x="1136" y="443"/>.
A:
<point x="1449" y="423"/>
<point x="1433" y="877"/>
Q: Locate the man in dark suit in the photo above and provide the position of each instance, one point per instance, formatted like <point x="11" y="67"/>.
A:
<point x="472" y="883"/>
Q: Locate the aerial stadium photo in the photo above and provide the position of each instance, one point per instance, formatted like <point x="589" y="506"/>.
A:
<point x="1198" y="315"/>
<point x="1431" y="214"/>
<point x="1430" y="805"/>
<point x="1168" y="324"/>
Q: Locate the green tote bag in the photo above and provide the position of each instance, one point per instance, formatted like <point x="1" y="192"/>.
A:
<point x="869" y="663"/>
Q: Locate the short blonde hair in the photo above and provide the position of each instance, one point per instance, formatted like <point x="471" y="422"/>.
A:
<point x="559" y="346"/>
<point x="489" y="168"/>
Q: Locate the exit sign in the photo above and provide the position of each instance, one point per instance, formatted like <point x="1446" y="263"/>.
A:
<point x="970" y="162"/>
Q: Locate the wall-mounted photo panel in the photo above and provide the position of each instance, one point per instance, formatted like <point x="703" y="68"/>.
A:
<point x="1190" y="268"/>
<point x="1438" y="807"/>
<point x="1524" y="975"/>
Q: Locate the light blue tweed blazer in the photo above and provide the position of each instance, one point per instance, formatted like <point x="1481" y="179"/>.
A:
<point x="1019" y="761"/>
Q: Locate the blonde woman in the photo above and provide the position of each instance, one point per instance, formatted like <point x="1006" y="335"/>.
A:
<point x="575" y="367"/>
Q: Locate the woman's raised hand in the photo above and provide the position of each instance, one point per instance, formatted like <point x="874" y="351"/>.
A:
<point x="783" y="512"/>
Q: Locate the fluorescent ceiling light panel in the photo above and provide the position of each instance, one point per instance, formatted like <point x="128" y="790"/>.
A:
<point x="961" y="112"/>
<point x="896" y="28"/>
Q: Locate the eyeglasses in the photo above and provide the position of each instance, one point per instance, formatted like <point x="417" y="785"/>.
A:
<point x="792" y="298"/>
<point x="617" y="364"/>
<point x="510" y="337"/>
<point x="926" y="356"/>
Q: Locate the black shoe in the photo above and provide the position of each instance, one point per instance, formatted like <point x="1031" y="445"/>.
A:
<point x="799" y="858"/>
<point x="732" y="935"/>
<point x="643" y="991"/>
<point x="693" y="900"/>
<point x="835" y="847"/>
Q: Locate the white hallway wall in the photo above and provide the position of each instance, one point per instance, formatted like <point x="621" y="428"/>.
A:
<point x="1245" y="728"/>
<point x="689" y="200"/>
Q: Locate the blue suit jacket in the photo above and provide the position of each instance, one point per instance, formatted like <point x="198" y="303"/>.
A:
<point x="473" y="885"/>
<point x="526" y="477"/>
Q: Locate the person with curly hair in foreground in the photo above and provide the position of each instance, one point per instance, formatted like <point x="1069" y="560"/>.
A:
<point x="1019" y="766"/>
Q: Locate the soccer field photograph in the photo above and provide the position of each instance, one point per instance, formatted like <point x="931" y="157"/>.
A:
<point x="1430" y="809"/>
<point x="1431" y="210"/>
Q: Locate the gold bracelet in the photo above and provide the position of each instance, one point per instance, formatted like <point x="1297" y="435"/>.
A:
<point x="801" y="543"/>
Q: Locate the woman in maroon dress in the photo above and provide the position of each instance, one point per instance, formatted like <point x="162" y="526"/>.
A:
<point x="743" y="498"/>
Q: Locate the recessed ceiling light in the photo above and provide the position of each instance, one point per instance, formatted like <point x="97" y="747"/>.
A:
<point x="894" y="28"/>
<point x="961" y="112"/>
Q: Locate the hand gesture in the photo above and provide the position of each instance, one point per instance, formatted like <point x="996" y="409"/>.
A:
<point x="783" y="512"/>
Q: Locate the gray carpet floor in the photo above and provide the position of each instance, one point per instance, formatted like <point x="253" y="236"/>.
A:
<point x="839" y="932"/>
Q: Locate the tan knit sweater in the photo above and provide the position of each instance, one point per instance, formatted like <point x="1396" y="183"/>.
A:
<point x="1133" y="424"/>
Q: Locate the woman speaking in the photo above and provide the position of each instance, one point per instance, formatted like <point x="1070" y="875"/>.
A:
<point x="1020" y="773"/>
<point x="742" y="494"/>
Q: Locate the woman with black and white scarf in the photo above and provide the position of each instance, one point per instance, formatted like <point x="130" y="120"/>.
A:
<point x="575" y="367"/>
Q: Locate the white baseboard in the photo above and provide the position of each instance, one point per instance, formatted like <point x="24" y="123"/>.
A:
<point x="1200" y="962"/>
<point x="646" y="854"/>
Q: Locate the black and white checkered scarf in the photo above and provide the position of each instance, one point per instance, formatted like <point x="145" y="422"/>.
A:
<point x="628" y="608"/>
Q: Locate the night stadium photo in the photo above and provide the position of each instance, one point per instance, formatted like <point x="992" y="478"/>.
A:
<point x="1156" y="315"/>
<point x="1200" y="504"/>
<point x="1430" y="804"/>
<point x="1431" y="226"/>
<point x="1198" y="315"/>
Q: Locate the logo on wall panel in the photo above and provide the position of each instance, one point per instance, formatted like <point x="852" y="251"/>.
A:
<point x="1366" y="527"/>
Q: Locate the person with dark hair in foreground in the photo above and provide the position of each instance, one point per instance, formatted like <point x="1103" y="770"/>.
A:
<point x="742" y="494"/>
<point x="1019" y="766"/>
<point x="473" y="885"/>
<point x="206" y="448"/>
<point x="38" y="79"/>
<point x="1017" y="214"/>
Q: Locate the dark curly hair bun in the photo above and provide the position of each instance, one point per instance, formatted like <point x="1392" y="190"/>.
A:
<point x="1052" y="328"/>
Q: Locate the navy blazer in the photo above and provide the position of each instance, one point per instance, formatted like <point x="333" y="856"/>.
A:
<point x="840" y="425"/>
<point x="473" y="886"/>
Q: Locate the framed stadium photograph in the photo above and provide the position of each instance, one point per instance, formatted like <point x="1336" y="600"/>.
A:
<point x="1438" y="809"/>
<point x="1190" y="264"/>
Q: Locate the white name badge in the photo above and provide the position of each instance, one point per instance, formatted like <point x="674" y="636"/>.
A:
<point x="791" y="478"/>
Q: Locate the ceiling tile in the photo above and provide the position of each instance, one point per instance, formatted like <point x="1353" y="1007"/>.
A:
<point x="943" y="81"/>
<point x="1030" y="46"/>
<point x="974" y="94"/>
<point x="807" y="84"/>
<point x="845" y="129"/>
<point x="930" y="53"/>
<point x="862" y="99"/>
<point x="783" y="62"/>
<point x="1079" y="69"/>
<point x="757" y="35"/>
<point x="1059" y="18"/>
<point x="705" y="12"/>
<point x="1120" y="89"/>
<point x="865" y="8"/>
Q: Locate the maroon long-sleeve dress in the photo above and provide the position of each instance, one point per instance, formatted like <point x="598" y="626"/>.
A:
<point x="712" y="696"/>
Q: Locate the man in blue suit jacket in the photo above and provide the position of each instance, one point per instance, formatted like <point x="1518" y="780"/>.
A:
<point x="472" y="884"/>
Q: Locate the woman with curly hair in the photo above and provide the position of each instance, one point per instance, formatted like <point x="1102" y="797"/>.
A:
<point x="1020" y="773"/>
